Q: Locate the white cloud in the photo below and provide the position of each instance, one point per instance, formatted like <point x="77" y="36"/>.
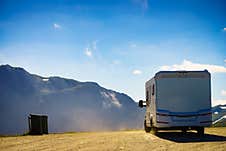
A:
<point x="225" y="60"/>
<point x="90" y="48"/>
<point x="56" y="26"/>
<point x="188" y="65"/>
<point x="218" y="102"/>
<point x="223" y="92"/>
<point x="88" y="52"/>
<point x="224" y="29"/>
<point x="137" y="72"/>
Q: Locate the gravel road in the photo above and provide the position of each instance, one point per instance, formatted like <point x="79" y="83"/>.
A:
<point x="214" y="139"/>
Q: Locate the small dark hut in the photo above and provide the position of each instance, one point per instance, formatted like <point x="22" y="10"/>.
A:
<point x="38" y="124"/>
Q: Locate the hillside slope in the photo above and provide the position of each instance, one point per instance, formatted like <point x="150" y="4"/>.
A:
<point x="219" y="115"/>
<point x="71" y="105"/>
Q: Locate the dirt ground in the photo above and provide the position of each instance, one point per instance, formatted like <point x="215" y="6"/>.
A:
<point x="214" y="139"/>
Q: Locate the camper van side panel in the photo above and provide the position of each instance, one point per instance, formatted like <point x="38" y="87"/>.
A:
<point x="151" y="105"/>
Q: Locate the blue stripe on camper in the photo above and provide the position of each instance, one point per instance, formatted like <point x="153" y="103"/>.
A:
<point x="169" y="113"/>
<point x="183" y="116"/>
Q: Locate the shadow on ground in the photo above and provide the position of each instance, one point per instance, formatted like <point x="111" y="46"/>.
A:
<point x="190" y="137"/>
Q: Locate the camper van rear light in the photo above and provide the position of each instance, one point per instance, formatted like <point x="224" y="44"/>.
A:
<point x="162" y="122"/>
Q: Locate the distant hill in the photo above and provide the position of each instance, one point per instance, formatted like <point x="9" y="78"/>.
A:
<point x="70" y="105"/>
<point x="219" y="115"/>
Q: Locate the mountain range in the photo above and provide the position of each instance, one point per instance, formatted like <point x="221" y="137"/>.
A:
<point x="219" y="115"/>
<point x="70" y="105"/>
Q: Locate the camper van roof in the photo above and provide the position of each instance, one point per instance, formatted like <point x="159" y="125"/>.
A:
<point x="37" y="115"/>
<point x="168" y="74"/>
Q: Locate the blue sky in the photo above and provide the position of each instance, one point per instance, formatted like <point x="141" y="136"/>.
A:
<point x="119" y="44"/>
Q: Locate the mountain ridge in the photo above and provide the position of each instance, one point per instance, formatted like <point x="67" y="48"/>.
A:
<point x="219" y="115"/>
<point x="74" y="103"/>
<point x="70" y="104"/>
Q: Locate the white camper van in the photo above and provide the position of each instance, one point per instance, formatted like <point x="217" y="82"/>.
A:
<point x="178" y="100"/>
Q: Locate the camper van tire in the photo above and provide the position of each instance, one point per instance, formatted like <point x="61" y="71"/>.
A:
<point x="200" y="131"/>
<point x="147" y="129"/>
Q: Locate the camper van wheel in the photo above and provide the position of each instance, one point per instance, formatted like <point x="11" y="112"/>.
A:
<point x="147" y="129"/>
<point x="200" y="130"/>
